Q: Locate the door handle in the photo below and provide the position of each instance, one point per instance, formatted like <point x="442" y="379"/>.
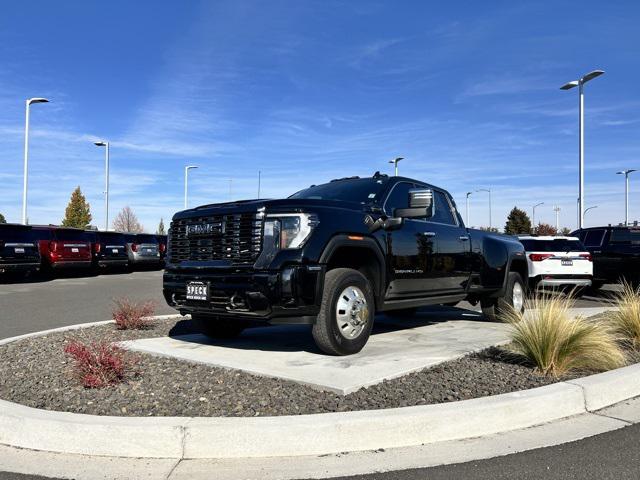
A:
<point x="429" y="234"/>
<point x="463" y="238"/>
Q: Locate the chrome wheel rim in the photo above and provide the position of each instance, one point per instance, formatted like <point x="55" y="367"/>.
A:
<point x="518" y="297"/>
<point x="352" y="312"/>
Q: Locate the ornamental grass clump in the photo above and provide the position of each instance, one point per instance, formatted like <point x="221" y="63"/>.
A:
<point x="99" y="364"/>
<point x="557" y="344"/>
<point x="625" y="319"/>
<point x="131" y="315"/>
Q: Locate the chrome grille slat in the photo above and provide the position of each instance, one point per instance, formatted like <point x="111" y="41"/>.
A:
<point x="234" y="237"/>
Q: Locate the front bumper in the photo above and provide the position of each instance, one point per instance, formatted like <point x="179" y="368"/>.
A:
<point x="290" y="295"/>
<point x="562" y="280"/>
<point x="19" y="267"/>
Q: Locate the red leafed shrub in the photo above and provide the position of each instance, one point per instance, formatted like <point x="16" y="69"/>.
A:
<point x="131" y="315"/>
<point x="99" y="364"/>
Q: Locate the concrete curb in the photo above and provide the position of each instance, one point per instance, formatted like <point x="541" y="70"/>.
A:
<point x="320" y="434"/>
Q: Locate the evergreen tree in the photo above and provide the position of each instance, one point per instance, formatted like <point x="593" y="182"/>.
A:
<point x="126" y="221"/>
<point x="78" y="213"/>
<point x="565" y="231"/>
<point x="518" y="222"/>
<point x="161" y="230"/>
<point x="2" y="219"/>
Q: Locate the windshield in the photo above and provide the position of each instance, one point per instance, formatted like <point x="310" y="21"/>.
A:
<point x="71" y="235"/>
<point x="16" y="234"/>
<point x="358" y="190"/>
<point x="558" y="245"/>
<point x="146" y="239"/>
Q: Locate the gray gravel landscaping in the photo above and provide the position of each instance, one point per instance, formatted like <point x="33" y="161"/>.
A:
<point x="36" y="372"/>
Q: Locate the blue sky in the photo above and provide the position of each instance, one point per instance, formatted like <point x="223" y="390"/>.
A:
<point x="306" y="91"/>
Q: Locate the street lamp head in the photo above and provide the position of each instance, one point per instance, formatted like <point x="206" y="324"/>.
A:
<point x="469" y="193"/>
<point x="100" y="144"/>
<point x="591" y="75"/>
<point x="396" y="160"/>
<point x="189" y="167"/>
<point x="37" y="100"/>
<point x="569" y="85"/>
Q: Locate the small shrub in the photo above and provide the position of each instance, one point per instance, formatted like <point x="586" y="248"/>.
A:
<point x="625" y="319"/>
<point x="131" y="315"/>
<point x="99" y="364"/>
<point x="557" y="344"/>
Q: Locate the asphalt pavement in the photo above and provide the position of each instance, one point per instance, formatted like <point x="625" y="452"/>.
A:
<point x="48" y="303"/>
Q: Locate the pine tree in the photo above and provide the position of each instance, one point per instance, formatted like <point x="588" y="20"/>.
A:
<point x="126" y="221"/>
<point x="78" y="213"/>
<point x="2" y="219"/>
<point x="161" y="230"/>
<point x="565" y="231"/>
<point x="518" y="222"/>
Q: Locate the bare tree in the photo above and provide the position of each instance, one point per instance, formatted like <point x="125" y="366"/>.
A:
<point x="126" y="221"/>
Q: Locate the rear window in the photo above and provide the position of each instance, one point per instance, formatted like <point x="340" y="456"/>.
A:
<point x="71" y="235"/>
<point x="558" y="245"/>
<point x="146" y="239"/>
<point x="15" y="234"/>
<point x="111" y="237"/>
<point x="593" y="238"/>
<point x="631" y="236"/>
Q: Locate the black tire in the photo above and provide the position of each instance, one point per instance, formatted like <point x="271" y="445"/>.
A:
<point x="329" y="337"/>
<point x="216" y="327"/>
<point x="493" y="308"/>
<point x="403" y="313"/>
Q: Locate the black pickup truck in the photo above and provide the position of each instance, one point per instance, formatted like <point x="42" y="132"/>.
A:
<point x="332" y="256"/>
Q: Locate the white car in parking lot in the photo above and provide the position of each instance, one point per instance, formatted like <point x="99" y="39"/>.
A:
<point x="560" y="262"/>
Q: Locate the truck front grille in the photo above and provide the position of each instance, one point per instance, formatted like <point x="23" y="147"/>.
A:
<point x="233" y="237"/>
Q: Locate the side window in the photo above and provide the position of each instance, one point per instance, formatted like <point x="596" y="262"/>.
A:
<point x="398" y="198"/>
<point x="593" y="238"/>
<point x="442" y="213"/>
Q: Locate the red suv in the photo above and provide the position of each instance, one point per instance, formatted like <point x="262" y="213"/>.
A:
<point x="63" y="247"/>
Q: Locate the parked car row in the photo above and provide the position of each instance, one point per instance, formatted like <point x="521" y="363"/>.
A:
<point x="25" y="249"/>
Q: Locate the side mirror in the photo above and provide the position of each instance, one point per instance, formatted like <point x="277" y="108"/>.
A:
<point x="420" y="204"/>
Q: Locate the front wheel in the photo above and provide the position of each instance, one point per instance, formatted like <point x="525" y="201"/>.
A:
<point x="514" y="295"/>
<point x="346" y="314"/>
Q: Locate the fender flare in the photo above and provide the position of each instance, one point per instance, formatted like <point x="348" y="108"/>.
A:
<point x="363" y="242"/>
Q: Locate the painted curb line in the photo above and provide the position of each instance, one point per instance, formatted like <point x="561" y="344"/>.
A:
<point x="318" y="434"/>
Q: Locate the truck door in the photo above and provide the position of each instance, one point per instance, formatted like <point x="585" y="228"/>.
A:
<point x="410" y="250"/>
<point x="451" y="266"/>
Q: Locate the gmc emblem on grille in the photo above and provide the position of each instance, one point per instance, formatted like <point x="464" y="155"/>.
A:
<point x="203" y="229"/>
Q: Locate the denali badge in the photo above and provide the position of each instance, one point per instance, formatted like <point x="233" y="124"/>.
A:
<point x="203" y="229"/>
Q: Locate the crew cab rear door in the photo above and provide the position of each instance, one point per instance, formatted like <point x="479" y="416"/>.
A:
<point x="451" y="264"/>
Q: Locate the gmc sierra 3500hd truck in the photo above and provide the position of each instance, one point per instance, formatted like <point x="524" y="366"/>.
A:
<point x="332" y="256"/>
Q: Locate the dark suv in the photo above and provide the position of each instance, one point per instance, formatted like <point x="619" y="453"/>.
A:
<point x="109" y="249"/>
<point x="334" y="254"/>
<point x="18" y="249"/>
<point x="615" y="251"/>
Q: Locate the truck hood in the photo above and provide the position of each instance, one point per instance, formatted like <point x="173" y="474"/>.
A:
<point x="271" y="206"/>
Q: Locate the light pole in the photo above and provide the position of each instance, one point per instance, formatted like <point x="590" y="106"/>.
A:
<point x="186" y="183"/>
<point x="467" y="219"/>
<point x="489" y="192"/>
<point x="567" y="86"/>
<point x="590" y="208"/>
<point x="28" y="102"/>
<point x="259" y="180"/>
<point x="557" y="210"/>
<point x="106" y="182"/>
<point x="626" y="193"/>
<point x="395" y="162"/>
<point x="533" y="217"/>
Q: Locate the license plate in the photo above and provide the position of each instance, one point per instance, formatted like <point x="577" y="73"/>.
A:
<point x="567" y="263"/>
<point x="75" y="250"/>
<point x="148" y="250"/>
<point x="19" y="250"/>
<point x="114" y="250"/>
<point x="198" y="291"/>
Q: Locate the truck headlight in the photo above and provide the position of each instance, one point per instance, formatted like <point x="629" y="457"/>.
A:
<point x="288" y="230"/>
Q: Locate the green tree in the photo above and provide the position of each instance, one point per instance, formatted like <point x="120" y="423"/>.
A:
<point x="161" y="230"/>
<point x="2" y="219"/>
<point x="565" y="231"/>
<point x="78" y="212"/>
<point x="517" y="222"/>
